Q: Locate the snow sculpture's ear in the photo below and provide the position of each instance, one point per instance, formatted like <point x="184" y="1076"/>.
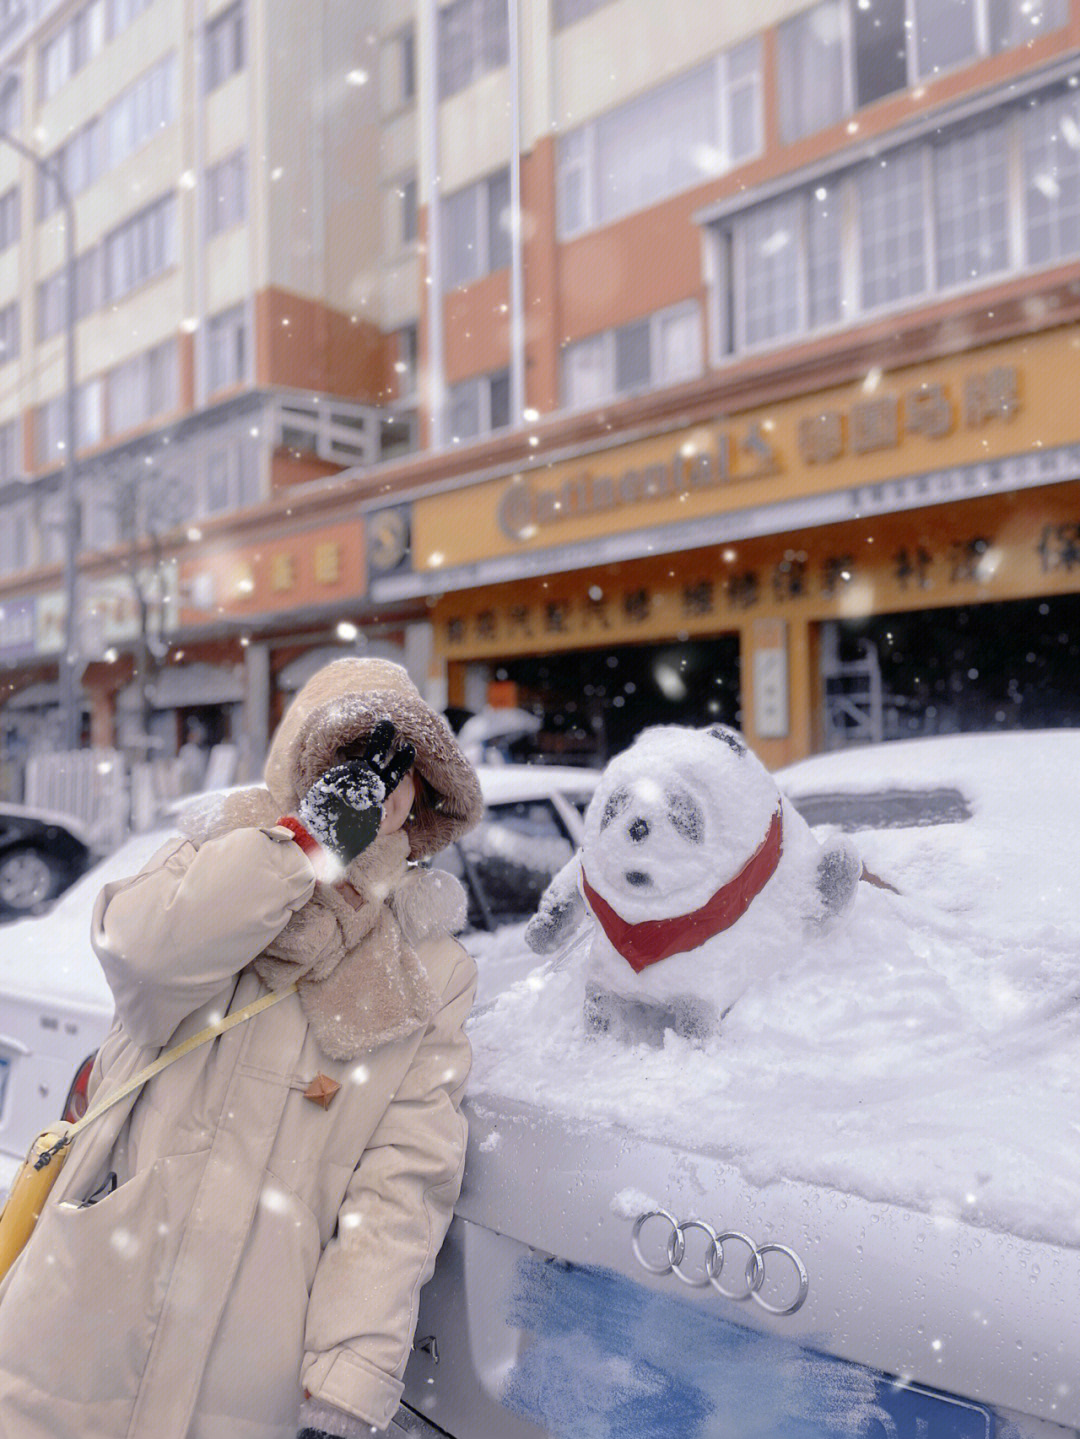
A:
<point x="838" y="873"/>
<point x="560" y="911"/>
<point x="732" y="738"/>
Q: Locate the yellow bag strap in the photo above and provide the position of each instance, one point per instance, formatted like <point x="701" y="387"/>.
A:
<point x="222" y="1026"/>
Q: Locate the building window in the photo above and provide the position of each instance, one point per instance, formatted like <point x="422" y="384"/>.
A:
<point x="143" y="387"/>
<point x="843" y="54"/>
<point x="892" y="202"/>
<point x="408" y="215"/>
<point x="10" y="218"/>
<point x="226" y="347"/>
<point x="971" y="197"/>
<point x="52" y="423"/>
<point x="657" y="350"/>
<point x="987" y="198"/>
<point x="226" y="194"/>
<point x="140" y="248"/>
<point x="810" y="70"/>
<point x="136" y="116"/>
<point x="10" y="451"/>
<point x="14" y="528"/>
<point x="1051" y="150"/>
<point x="566" y="12"/>
<point x="407" y="360"/>
<point x="479" y="406"/>
<point x="476" y="230"/>
<point x="406" y="53"/>
<point x="10" y="103"/>
<point x="474" y="37"/>
<point x="133" y="118"/>
<point x="71" y="48"/>
<point x="9" y="332"/>
<point x="123" y="13"/>
<point x="231" y="477"/>
<point x="224" y="48"/>
<point x="673" y="137"/>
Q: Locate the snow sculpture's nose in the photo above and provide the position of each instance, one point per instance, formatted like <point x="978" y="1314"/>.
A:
<point x="638" y="830"/>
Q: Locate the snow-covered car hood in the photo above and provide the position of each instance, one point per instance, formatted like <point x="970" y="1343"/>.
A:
<point x="902" y="1111"/>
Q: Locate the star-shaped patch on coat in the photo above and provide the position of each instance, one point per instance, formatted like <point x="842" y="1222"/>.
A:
<point x="321" y="1090"/>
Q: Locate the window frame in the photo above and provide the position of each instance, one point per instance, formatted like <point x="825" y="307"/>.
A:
<point x="606" y="343"/>
<point x="726" y="241"/>
<point x="587" y="166"/>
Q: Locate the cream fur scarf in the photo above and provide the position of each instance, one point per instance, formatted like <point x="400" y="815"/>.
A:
<point x="361" y="982"/>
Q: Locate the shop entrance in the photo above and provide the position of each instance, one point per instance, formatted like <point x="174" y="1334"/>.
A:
<point x="1011" y="665"/>
<point x="594" y="702"/>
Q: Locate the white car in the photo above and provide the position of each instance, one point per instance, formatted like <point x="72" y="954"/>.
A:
<point x="783" y="1235"/>
<point x="55" y="1007"/>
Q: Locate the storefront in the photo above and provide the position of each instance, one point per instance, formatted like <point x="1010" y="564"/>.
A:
<point x="754" y="568"/>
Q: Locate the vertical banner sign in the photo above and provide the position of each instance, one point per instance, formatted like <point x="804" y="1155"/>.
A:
<point x="770" y="666"/>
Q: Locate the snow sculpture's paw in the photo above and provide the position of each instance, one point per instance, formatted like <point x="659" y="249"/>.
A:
<point x="838" y="873"/>
<point x="636" y="1021"/>
<point x="560" y="912"/>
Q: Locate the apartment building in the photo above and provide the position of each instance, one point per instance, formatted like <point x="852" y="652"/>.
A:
<point x="766" y="410"/>
<point x="222" y="169"/>
<point x="698" y="361"/>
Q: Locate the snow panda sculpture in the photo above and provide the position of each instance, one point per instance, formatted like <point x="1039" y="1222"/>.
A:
<point x="696" y="877"/>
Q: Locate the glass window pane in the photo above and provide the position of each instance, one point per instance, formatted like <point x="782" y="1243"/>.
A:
<point x="460" y="237"/>
<point x="944" y="35"/>
<point x="678" y="346"/>
<point x="880" y="48"/>
<point x="660" y="143"/>
<point x="971" y="205"/>
<point x="1015" y="22"/>
<point x="824" y="282"/>
<point x="1052" y="178"/>
<point x="892" y="239"/>
<point x="586" y="372"/>
<point x="499" y="399"/>
<point x="810" y="60"/>
<point x="464" y="410"/>
<point x="633" y="370"/>
<point x="769" y="293"/>
<point x="498" y="221"/>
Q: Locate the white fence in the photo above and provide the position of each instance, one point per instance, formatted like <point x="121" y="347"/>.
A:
<point x="109" y="797"/>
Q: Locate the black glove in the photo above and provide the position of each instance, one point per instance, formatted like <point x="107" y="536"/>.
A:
<point x="343" y="808"/>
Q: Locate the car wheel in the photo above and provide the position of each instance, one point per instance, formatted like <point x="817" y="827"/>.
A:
<point x="29" y="877"/>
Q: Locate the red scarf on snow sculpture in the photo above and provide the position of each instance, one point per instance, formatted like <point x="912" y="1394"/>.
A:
<point x="655" y="939"/>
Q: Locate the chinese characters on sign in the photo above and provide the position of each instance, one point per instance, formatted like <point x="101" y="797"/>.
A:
<point x="879" y="422"/>
<point x="737" y="591"/>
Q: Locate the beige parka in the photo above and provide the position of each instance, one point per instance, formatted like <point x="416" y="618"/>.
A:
<point x="257" y="1243"/>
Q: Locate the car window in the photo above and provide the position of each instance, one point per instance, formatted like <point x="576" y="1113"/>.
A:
<point x="884" y="809"/>
<point x="507" y="862"/>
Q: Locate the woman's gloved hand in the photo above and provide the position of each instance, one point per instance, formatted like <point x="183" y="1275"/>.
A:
<point x="344" y="807"/>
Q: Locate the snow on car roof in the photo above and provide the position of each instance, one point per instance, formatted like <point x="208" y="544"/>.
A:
<point x="930" y="1061"/>
<point x="503" y="784"/>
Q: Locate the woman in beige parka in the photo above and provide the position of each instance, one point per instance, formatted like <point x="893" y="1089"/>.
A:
<point x="237" y="1252"/>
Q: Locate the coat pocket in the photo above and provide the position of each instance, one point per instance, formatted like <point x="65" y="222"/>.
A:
<point x="83" y="1302"/>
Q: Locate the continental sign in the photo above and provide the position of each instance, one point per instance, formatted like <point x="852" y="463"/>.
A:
<point x="1003" y="418"/>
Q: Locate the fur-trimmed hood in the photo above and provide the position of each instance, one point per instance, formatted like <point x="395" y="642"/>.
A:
<point x="340" y="704"/>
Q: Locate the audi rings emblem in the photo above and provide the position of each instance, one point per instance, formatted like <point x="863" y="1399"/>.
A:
<point x="747" y="1286"/>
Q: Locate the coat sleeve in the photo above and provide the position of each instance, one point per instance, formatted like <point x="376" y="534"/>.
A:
<point x="397" y="1209"/>
<point x="170" y="938"/>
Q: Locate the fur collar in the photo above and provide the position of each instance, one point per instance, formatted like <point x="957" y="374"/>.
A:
<point x="362" y="983"/>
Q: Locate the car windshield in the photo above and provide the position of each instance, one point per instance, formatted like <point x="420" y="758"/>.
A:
<point x="508" y="861"/>
<point x="884" y="809"/>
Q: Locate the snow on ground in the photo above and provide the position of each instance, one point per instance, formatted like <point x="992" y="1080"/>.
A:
<point x="931" y="1060"/>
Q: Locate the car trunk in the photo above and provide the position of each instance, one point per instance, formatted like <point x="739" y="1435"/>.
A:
<point x="546" y="1322"/>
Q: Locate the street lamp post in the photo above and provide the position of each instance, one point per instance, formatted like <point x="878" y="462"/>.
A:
<point x="69" y="720"/>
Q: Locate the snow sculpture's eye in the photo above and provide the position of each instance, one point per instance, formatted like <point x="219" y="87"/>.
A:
<point x="686" y="818"/>
<point x="617" y="802"/>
